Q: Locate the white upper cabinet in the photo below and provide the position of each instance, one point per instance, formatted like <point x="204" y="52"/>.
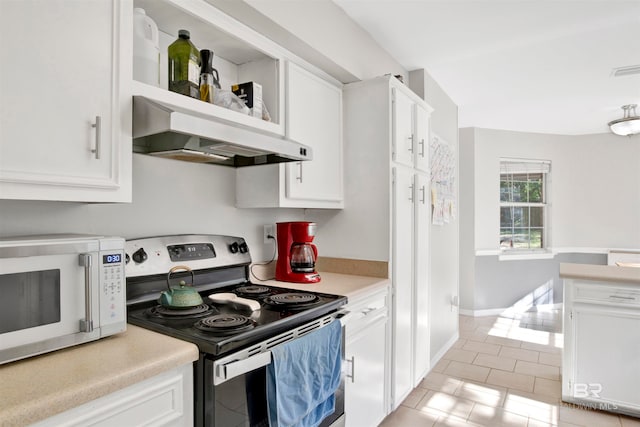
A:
<point x="65" y="104"/>
<point x="422" y="138"/>
<point x="403" y="132"/>
<point x="410" y="131"/>
<point x="313" y="117"/>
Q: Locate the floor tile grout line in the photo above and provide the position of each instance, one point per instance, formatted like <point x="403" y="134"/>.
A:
<point x="538" y="349"/>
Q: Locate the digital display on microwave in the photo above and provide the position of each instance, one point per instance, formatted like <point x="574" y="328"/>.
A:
<point x="112" y="259"/>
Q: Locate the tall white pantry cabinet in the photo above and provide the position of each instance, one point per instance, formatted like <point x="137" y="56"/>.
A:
<point x="387" y="165"/>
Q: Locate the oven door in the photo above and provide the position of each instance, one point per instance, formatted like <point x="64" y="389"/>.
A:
<point x="43" y="305"/>
<point x="235" y="392"/>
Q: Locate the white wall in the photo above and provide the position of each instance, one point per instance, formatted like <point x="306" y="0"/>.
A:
<point x="318" y="31"/>
<point x="594" y="187"/>
<point x="444" y="260"/>
<point x="593" y="205"/>
<point x="169" y="197"/>
<point x="467" y="219"/>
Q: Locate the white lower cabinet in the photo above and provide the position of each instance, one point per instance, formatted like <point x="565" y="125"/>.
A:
<point x="164" y="400"/>
<point x="367" y="357"/>
<point x="601" y="360"/>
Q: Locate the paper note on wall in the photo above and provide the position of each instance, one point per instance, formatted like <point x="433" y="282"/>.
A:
<point x="443" y="181"/>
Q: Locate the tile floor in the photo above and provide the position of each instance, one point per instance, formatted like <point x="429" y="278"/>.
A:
<point x="503" y="371"/>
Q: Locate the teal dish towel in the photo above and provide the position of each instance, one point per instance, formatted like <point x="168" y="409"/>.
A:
<point x="303" y="377"/>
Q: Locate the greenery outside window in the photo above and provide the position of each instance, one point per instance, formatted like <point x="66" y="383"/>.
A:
<point x="523" y="204"/>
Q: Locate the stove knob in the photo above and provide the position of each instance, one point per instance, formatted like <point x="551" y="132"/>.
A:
<point x="244" y="248"/>
<point x="139" y="256"/>
<point x="234" y="247"/>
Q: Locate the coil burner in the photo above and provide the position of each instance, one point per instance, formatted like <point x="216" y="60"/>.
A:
<point x="202" y="310"/>
<point x="225" y="324"/>
<point x="292" y="300"/>
<point x="252" y="291"/>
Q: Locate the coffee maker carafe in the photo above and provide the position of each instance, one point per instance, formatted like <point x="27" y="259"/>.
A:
<point x="296" y="254"/>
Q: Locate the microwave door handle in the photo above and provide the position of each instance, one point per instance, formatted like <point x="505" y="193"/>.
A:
<point x="233" y="369"/>
<point x="86" y="324"/>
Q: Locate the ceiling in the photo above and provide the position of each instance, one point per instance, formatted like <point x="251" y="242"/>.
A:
<point x="534" y="66"/>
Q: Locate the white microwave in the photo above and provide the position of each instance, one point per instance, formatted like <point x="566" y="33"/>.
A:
<point x="57" y="291"/>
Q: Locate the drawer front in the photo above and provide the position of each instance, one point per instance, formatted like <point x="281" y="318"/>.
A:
<point x="363" y="312"/>
<point x="607" y="295"/>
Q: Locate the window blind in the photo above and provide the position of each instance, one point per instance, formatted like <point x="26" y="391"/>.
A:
<point x="524" y="166"/>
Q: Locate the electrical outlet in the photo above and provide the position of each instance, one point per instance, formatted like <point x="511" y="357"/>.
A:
<point x="269" y="230"/>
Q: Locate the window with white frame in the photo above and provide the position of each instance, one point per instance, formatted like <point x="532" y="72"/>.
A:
<point x="523" y="206"/>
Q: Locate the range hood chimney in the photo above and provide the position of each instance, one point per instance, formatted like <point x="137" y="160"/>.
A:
<point x="167" y="131"/>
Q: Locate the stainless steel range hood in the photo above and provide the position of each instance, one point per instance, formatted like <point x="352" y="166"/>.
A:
<point x="167" y="131"/>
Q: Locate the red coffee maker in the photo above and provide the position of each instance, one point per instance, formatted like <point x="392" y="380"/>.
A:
<point x="296" y="254"/>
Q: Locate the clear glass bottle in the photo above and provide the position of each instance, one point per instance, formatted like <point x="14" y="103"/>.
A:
<point x="184" y="66"/>
<point x="206" y="76"/>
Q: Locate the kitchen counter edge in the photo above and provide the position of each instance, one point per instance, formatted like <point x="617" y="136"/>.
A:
<point x="607" y="273"/>
<point x="39" y="387"/>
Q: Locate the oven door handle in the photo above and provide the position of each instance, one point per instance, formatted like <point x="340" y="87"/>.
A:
<point x="345" y="316"/>
<point x="233" y="369"/>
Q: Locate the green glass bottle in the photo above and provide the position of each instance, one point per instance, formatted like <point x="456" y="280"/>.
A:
<point x="184" y="66"/>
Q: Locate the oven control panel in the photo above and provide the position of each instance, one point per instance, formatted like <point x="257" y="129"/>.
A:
<point x="191" y="251"/>
<point x="157" y="255"/>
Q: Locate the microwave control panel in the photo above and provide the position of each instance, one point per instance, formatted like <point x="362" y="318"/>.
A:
<point x="112" y="287"/>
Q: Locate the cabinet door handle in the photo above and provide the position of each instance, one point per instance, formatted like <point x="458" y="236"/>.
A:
<point x="299" y="177"/>
<point x="98" y="127"/>
<point x="410" y="143"/>
<point x="411" y="193"/>
<point x="423" y="198"/>
<point x="421" y="147"/>
<point x="352" y="361"/>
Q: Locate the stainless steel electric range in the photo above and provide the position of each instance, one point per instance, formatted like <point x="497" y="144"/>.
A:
<point x="235" y="331"/>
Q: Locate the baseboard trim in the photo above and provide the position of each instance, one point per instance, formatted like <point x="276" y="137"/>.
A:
<point x="482" y="313"/>
<point x="435" y="359"/>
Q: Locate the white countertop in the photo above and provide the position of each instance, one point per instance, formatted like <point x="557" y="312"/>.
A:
<point x="39" y="387"/>
<point x="606" y="273"/>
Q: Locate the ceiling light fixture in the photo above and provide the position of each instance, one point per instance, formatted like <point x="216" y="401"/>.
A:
<point x="629" y="124"/>
<point x="629" y="70"/>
